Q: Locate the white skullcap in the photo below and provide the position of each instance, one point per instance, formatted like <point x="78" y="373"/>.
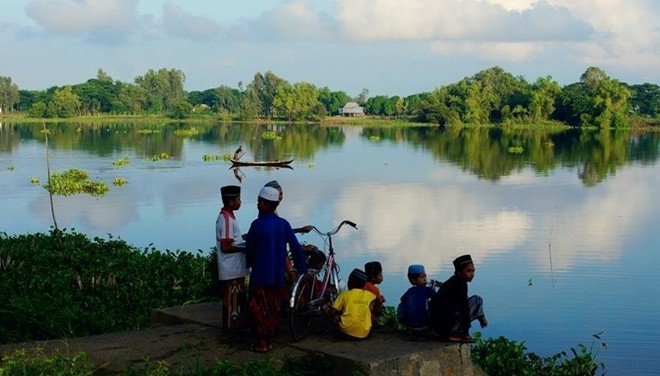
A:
<point x="270" y="194"/>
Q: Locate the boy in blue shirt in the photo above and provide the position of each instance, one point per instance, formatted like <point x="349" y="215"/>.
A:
<point x="412" y="311"/>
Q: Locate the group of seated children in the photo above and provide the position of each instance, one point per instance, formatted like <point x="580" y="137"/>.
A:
<point x="446" y="313"/>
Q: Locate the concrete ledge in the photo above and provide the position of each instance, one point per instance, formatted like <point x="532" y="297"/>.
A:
<point x="386" y="352"/>
<point x="188" y="336"/>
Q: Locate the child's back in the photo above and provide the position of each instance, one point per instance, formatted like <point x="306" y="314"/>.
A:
<point x="354" y="307"/>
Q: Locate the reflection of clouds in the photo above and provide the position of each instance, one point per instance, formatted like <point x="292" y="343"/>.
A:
<point x="412" y="223"/>
<point x="431" y="224"/>
<point x="596" y="228"/>
<point x="100" y="214"/>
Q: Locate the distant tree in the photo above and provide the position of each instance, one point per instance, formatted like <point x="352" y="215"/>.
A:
<point x="400" y="106"/>
<point x="38" y="110"/>
<point x="9" y="95"/>
<point x="97" y="95"/>
<point x="645" y="100"/>
<point x="27" y="98"/>
<point x="333" y="100"/>
<point x="295" y="102"/>
<point x="181" y="109"/>
<point x="101" y="75"/>
<point x="163" y="88"/>
<point x="65" y="103"/>
<point x="376" y="105"/>
<point x="229" y="99"/>
<point x="262" y="91"/>
<point x="363" y="97"/>
<point x="131" y="98"/>
<point x="574" y="105"/>
<point x="412" y="103"/>
<point x="544" y="94"/>
<point x="611" y="104"/>
<point x="592" y="77"/>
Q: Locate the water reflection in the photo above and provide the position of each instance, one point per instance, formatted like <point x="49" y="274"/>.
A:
<point x="571" y="212"/>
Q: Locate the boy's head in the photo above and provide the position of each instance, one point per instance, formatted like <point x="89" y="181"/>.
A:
<point x="417" y="275"/>
<point x="268" y="199"/>
<point x="464" y="267"/>
<point x="356" y="279"/>
<point x="374" y="272"/>
<point x="276" y="185"/>
<point x="231" y="196"/>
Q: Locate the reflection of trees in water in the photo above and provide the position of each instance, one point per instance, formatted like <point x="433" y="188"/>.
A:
<point x="483" y="151"/>
<point x="9" y="137"/>
<point x="486" y="151"/>
<point x="148" y="139"/>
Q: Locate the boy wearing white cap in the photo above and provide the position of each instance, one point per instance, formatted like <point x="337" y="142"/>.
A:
<point x="266" y="252"/>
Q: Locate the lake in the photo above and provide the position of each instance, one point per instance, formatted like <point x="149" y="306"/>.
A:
<point x="562" y="225"/>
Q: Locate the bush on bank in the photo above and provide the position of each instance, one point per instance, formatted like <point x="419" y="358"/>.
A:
<point x="63" y="284"/>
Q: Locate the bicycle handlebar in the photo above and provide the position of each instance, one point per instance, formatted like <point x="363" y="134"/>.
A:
<point x="336" y="229"/>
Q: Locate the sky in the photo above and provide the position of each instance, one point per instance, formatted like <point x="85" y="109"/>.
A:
<point x="389" y="47"/>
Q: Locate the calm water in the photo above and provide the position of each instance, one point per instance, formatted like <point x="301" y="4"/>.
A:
<point x="563" y="234"/>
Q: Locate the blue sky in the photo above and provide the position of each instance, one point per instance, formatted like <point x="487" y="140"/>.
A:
<point x="390" y="47"/>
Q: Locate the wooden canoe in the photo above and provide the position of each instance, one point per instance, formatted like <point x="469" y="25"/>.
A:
<point x="276" y="163"/>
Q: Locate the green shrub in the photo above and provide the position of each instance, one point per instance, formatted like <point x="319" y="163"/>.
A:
<point x="23" y="362"/>
<point x="62" y="284"/>
<point x="502" y="357"/>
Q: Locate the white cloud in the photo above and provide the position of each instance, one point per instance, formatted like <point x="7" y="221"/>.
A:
<point x="472" y="20"/>
<point x="179" y="23"/>
<point x="492" y="51"/>
<point x="293" y="20"/>
<point x="81" y="16"/>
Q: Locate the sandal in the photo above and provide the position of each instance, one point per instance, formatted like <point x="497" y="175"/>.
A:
<point x="460" y="339"/>
<point x="257" y="349"/>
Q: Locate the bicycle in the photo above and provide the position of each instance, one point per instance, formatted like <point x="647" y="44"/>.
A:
<point x="318" y="286"/>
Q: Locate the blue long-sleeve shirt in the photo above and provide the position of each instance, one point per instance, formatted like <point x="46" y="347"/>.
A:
<point x="413" y="308"/>
<point x="266" y="250"/>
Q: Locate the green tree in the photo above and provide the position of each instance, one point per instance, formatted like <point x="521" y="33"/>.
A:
<point x="163" y="88"/>
<point x="574" y="105"/>
<point x="65" y="103"/>
<point x="295" y="102"/>
<point x="181" y="109"/>
<point x="261" y="92"/>
<point x="645" y="100"/>
<point x="611" y="104"/>
<point x="400" y="106"/>
<point x="97" y="95"/>
<point x="228" y="99"/>
<point x="610" y="98"/>
<point x="544" y="94"/>
<point x="131" y="98"/>
<point x="9" y="95"/>
<point x="333" y="100"/>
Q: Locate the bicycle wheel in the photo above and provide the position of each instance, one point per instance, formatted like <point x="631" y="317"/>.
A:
<point x="301" y="313"/>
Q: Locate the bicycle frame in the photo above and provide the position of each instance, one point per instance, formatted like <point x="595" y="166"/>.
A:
<point x="303" y="303"/>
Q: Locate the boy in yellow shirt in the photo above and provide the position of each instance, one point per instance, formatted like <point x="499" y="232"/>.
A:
<point x="354" y="307"/>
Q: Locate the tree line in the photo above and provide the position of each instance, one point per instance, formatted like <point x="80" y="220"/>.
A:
<point x="490" y="96"/>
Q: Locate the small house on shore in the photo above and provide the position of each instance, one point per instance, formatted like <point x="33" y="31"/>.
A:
<point x="351" y="109"/>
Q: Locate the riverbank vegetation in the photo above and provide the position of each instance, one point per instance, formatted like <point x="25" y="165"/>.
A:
<point x="489" y="96"/>
<point x="106" y="285"/>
